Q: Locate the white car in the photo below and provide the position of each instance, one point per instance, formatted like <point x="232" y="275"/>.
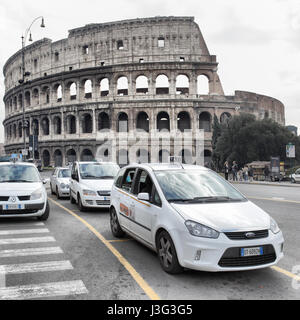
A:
<point x="60" y="182"/>
<point x="22" y="192"/>
<point x="295" y="177"/>
<point x="193" y="219"/>
<point x="91" y="184"/>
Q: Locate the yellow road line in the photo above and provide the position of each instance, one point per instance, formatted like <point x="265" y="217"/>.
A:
<point x="125" y="240"/>
<point x="287" y="273"/>
<point x="276" y="200"/>
<point x="135" y="275"/>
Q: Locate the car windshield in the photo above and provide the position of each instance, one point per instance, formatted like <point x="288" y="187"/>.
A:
<point x="65" y="173"/>
<point x="98" y="170"/>
<point x="13" y="173"/>
<point x="196" y="186"/>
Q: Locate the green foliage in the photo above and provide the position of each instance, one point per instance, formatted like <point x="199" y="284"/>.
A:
<point x="245" y="139"/>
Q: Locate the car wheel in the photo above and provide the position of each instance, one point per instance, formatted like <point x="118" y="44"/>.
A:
<point x="52" y="192"/>
<point x="80" y="205"/>
<point x="114" y="225"/>
<point x="45" y="216"/>
<point x="57" y="194"/>
<point x="167" y="254"/>
<point x="293" y="180"/>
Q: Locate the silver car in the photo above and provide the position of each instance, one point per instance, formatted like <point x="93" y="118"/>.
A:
<point x="295" y="177"/>
<point x="60" y="182"/>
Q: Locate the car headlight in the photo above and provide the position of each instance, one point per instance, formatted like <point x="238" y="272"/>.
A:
<point x="64" y="186"/>
<point x="89" y="193"/>
<point x="36" y="195"/>
<point x="199" y="230"/>
<point x="274" y="226"/>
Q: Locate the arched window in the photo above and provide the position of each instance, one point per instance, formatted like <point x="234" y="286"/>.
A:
<point x="35" y="127"/>
<point x="73" y="91"/>
<point x="57" y="125"/>
<point x="205" y="121"/>
<point x="202" y="85"/>
<point x="163" y="121"/>
<point x="103" y="121"/>
<point x="225" y="117"/>
<point x="122" y="86"/>
<point x="71" y="124"/>
<point x="87" y="123"/>
<point x="123" y="122"/>
<point x="46" y="158"/>
<point x="142" y="122"/>
<point x="59" y="93"/>
<point x="36" y="98"/>
<point x="45" y="126"/>
<point x="86" y="155"/>
<point x="162" y="84"/>
<point x="207" y="156"/>
<point x="164" y="156"/>
<point x="27" y="99"/>
<point x="15" y="131"/>
<point x="58" y="160"/>
<point x="122" y="157"/>
<point x="184" y="121"/>
<point x="20" y="129"/>
<point x="182" y="84"/>
<point x="71" y="156"/>
<point x="143" y="156"/>
<point x="104" y="87"/>
<point x="20" y="101"/>
<point x="186" y="156"/>
<point x="46" y="95"/>
<point x="88" y="89"/>
<point x="142" y="84"/>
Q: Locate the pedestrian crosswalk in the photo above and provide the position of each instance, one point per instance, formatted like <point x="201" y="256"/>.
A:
<point x="31" y="242"/>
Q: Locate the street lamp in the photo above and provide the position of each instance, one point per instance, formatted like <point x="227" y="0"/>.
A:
<point x="26" y="74"/>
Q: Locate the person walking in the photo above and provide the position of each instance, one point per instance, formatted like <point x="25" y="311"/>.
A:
<point x="226" y="170"/>
<point x="234" y="171"/>
<point x="266" y="173"/>
<point x="250" y="174"/>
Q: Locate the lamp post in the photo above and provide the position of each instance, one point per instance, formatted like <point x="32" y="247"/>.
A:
<point x="26" y="74"/>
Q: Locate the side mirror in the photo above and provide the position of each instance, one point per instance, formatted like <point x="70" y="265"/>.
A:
<point x="74" y="176"/>
<point x="144" y="196"/>
<point x="44" y="181"/>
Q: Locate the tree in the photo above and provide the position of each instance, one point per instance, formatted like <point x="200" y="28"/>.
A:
<point x="217" y="131"/>
<point x="245" y="139"/>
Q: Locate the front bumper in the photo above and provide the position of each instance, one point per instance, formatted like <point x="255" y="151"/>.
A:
<point x="222" y="254"/>
<point x="64" y="192"/>
<point x="35" y="209"/>
<point x="96" y="202"/>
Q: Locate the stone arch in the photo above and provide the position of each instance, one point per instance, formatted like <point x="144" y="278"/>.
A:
<point x="162" y="84"/>
<point x="86" y="155"/>
<point x="122" y="157"/>
<point x="88" y="89"/>
<point x="71" y="126"/>
<point x="46" y="94"/>
<point x="73" y="90"/>
<point x="122" y="86"/>
<point x="20" y="129"/>
<point x="45" y="126"/>
<point x="36" y="97"/>
<point x="57" y="126"/>
<point x="182" y="84"/>
<point x="187" y="156"/>
<point x="163" y="121"/>
<point x="104" y="87"/>
<point x="35" y="127"/>
<point x="71" y="156"/>
<point x="46" y="158"/>
<point x="59" y="92"/>
<point x="20" y="101"/>
<point x="58" y="158"/>
<point x="123" y="122"/>
<point x="225" y="117"/>
<point x="143" y="122"/>
<point x="103" y="121"/>
<point x="163" y="156"/>
<point x="183" y="121"/>
<point x="142" y="84"/>
<point x="87" y="123"/>
<point x="202" y="84"/>
<point x="143" y="156"/>
<point x="14" y="131"/>
<point x="205" y="121"/>
<point x="27" y="99"/>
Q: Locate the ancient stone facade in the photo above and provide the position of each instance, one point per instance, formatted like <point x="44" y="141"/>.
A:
<point x="151" y="74"/>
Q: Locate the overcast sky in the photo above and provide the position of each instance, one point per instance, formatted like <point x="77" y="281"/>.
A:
<point x="257" y="42"/>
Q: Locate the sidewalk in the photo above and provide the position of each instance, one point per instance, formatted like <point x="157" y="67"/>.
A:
<point x="267" y="183"/>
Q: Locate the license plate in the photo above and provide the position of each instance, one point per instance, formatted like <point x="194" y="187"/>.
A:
<point x="248" y="252"/>
<point x="106" y="198"/>
<point x="14" y="207"/>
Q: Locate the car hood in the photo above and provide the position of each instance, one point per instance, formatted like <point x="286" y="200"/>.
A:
<point x="226" y="217"/>
<point x="98" y="185"/>
<point x="18" y="189"/>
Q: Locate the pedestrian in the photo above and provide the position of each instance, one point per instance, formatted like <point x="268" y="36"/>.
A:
<point x="266" y="172"/>
<point x="234" y="171"/>
<point x="226" y="170"/>
<point x="245" y="173"/>
<point x="250" y="174"/>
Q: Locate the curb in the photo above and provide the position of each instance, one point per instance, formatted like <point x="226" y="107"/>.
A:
<point x="267" y="184"/>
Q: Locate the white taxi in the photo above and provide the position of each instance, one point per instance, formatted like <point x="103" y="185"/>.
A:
<point x="91" y="184"/>
<point x="193" y="219"/>
<point x="22" y="191"/>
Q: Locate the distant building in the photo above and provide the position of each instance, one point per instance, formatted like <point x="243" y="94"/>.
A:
<point x="293" y="129"/>
<point x="2" y="151"/>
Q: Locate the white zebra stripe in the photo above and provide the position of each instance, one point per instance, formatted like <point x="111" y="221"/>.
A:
<point x="35" y="267"/>
<point x="44" y="290"/>
<point x="23" y="231"/>
<point x="26" y="240"/>
<point x="30" y="252"/>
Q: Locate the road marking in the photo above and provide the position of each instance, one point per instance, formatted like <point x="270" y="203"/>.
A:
<point x="26" y="240"/>
<point x="23" y="231"/>
<point x="136" y="276"/>
<point x="35" y="267"/>
<point x="274" y="199"/>
<point x="123" y="240"/>
<point x="30" y="252"/>
<point x="43" y="290"/>
<point x="23" y="224"/>
<point x="287" y="273"/>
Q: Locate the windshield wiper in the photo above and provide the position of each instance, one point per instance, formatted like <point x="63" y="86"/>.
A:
<point x="180" y="200"/>
<point x="14" y="181"/>
<point x="107" y="177"/>
<point x="215" y="199"/>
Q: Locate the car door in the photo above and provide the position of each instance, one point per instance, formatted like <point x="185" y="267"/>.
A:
<point x="297" y="175"/>
<point x="74" y="181"/>
<point x="144" y="212"/>
<point x="53" y="179"/>
<point x="126" y="202"/>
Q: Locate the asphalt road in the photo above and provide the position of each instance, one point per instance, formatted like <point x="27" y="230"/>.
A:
<point x="84" y="260"/>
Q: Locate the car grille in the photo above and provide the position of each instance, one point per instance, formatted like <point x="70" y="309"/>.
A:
<point x="104" y="193"/>
<point x="232" y="258"/>
<point x="24" y="198"/>
<point x="4" y="198"/>
<point x="102" y="202"/>
<point x="242" y="235"/>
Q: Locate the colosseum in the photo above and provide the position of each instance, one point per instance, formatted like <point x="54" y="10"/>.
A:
<point x="149" y="74"/>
